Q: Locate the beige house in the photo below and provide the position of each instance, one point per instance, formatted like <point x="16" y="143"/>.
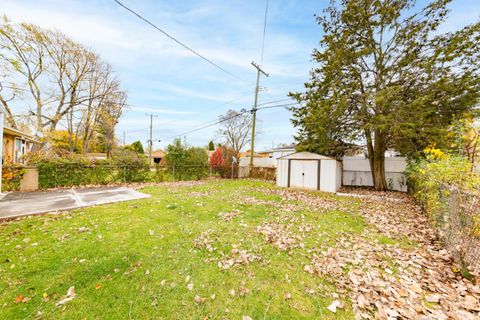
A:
<point x="16" y="145"/>
<point x="158" y="156"/>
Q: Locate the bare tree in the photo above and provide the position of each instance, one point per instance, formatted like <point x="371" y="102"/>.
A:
<point x="22" y="49"/>
<point x="69" y="85"/>
<point x="236" y="129"/>
<point x="109" y="114"/>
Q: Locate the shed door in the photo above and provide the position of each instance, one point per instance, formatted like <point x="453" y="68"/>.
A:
<point x="304" y="174"/>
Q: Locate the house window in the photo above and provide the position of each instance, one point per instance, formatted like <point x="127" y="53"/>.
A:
<point x="20" y="150"/>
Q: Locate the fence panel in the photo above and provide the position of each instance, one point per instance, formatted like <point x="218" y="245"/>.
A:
<point x="458" y="225"/>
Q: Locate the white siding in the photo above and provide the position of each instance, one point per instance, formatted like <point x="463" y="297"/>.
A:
<point x="282" y="173"/>
<point x="327" y="175"/>
<point x="338" y="182"/>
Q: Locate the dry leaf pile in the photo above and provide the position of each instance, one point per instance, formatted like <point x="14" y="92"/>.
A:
<point x="257" y="202"/>
<point x="227" y="216"/>
<point x="386" y="281"/>
<point x="237" y="257"/>
<point x="280" y="235"/>
<point x="204" y="241"/>
<point x="198" y="194"/>
<point x="305" y="201"/>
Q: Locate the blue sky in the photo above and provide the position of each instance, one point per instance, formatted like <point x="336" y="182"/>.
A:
<point x="184" y="91"/>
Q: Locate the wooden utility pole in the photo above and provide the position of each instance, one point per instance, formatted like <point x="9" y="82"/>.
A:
<point x="254" y="110"/>
<point x="150" y="141"/>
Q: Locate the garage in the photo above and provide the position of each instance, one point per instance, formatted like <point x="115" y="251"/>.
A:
<point x="306" y="170"/>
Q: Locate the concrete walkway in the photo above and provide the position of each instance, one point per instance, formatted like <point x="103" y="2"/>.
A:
<point x="18" y="204"/>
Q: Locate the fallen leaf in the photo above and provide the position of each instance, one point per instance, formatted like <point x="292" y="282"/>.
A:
<point x="70" y="296"/>
<point x="433" y="298"/>
<point x="199" y="299"/>
<point x="333" y="306"/>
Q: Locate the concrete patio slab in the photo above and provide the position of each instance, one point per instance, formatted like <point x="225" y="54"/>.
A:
<point x="28" y="203"/>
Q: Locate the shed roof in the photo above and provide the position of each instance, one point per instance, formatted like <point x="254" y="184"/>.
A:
<point x="304" y="155"/>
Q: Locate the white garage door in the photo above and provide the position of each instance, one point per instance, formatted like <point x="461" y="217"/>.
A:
<point x="304" y="174"/>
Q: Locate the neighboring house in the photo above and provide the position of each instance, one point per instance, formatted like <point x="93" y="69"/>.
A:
<point x="158" y="156"/>
<point x="16" y="144"/>
<point x="247" y="153"/>
<point x="277" y="153"/>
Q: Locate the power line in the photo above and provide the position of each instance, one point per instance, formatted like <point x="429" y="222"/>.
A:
<point x="274" y="101"/>
<point x="191" y="115"/>
<point x="264" y="31"/>
<point x="218" y="121"/>
<point x="259" y="71"/>
<point x="178" y="41"/>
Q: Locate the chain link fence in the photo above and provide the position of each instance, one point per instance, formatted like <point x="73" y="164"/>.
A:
<point x="458" y="225"/>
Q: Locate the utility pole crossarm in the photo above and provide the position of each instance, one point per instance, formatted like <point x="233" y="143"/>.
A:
<point x="259" y="68"/>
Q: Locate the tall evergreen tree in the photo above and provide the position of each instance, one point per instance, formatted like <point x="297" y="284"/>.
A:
<point x="211" y="146"/>
<point x="387" y="79"/>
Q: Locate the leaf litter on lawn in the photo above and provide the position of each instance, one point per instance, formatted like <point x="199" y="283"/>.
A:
<point x="390" y="281"/>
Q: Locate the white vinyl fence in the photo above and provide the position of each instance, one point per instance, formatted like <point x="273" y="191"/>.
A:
<point x="244" y="165"/>
<point x="356" y="172"/>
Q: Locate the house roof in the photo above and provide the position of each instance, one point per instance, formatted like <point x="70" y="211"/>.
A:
<point x="158" y="154"/>
<point x="281" y="149"/>
<point x="304" y="155"/>
<point x="248" y="153"/>
<point x="18" y="133"/>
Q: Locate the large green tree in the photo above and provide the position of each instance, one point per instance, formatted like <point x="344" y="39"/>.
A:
<point x="386" y="78"/>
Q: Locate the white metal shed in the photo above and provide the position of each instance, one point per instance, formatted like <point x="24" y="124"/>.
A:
<point x="308" y="170"/>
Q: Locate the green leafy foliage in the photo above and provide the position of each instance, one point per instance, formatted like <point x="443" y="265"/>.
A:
<point x="136" y="147"/>
<point x="75" y="170"/>
<point x="211" y="146"/>
<point x="11" y="177"/>
<point x="429" y="178"/>
<point x="132" y="166"/>
<point x="447" y="188"/>
<point x="385" y="77"/>
<point x="187" y="162"/>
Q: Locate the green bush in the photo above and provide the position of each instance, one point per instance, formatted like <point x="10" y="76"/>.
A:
<point x="75" y="170"/>
<point x="447" y="187"/>
<point x="11" y="177"/>
<point x="263" y="173"/>
<point x="429" y="178"/>
<point x="186" y="162"/>
<point x="130" y="166"/>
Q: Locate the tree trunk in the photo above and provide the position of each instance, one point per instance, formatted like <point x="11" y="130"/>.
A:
<point x="377" y="166"/>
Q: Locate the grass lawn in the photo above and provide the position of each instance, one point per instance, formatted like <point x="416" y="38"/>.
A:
<point x="214" y="250"/>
